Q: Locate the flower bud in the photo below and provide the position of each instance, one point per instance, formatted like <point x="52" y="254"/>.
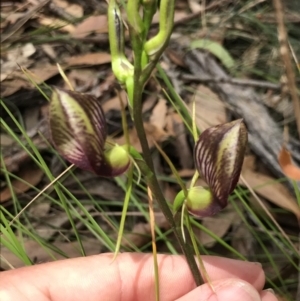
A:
<point x="166" y="22"/>
<point x="218" y="156"/>
<point x="118" y="158"/>
<point x="78" y="131"/>
<point x="121" y="66"/>
<point x="198" y="201"/>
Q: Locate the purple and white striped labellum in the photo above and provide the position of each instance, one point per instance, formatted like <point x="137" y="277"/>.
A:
<point x="78" y="131"/>
<point x="218" y="156"/>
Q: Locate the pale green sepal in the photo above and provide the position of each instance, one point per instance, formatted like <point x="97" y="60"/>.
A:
<point x="129" y="83"/>
<point x="122" y="68"/>
<point x="179" y="200"/>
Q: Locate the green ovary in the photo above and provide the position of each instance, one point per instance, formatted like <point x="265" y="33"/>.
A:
<point x="198" y="198"/>
<point x="117" y="157"/>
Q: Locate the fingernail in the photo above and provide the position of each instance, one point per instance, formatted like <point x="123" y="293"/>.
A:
<point x="257" y="263"/>
<point x="236" y="290"/>
<point x="270" y="290"/>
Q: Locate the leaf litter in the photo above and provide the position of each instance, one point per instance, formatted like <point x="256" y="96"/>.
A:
<point x="86" y="62"/>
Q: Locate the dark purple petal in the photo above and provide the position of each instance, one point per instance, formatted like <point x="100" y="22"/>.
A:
<point x="65" y="129"/>
<point x="219" y="155"/>
<point x="78" y="130"/>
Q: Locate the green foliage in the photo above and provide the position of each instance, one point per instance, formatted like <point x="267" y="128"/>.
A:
<point x="18" y="227"/>
<point x="216" y="49"/>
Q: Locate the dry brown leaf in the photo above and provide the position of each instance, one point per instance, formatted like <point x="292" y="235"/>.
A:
<point x="141" y="232"/>
<point x="171" y="124"/>
<point x="18" y="79"/>
<point x="152" y="133"/>
<point x="183" y="150"/>
<point x="56" y="23"/>
<point x="195" y="7"/>
<point x="158" y="116"/>
<point x="83" y="79"/>
<point x="242" y="239"/>
<point x="178" y="16"/>
<point x="270" y="189"/>
<point x="15" y="58"/>
<point x="49" y="50"/>
<point x="24" y="51"/>
<point x="287" y="166"/>
<point x="114" y="103"/>
<point x="74" y="10"/>
<point x="40" y="73"/>
<point x="175" y="57"/>
<point x="219" y="225"/>
<point x="50" y="224"/>
<point x="38" y="254"/>
<point x="186" y="173"/>
<point x="149" y="103"/>
<point x="31" y="175"/>
<point x="6" y="140"/>
<point x="31" y="118"/>
<point x="40" y="209"/>
<point x="170" y="192"/>
<point x="9" y="87"/>
<point x="105" y="86"/>
<point x="103" y="188"/>
<point x="139" y="235"/>
<point x="258" y="209"/>
<point x="11" y="18"/>
<point x="97" y="58"/>
<point x="210" y="110"/>
<point x="97" y="24"/>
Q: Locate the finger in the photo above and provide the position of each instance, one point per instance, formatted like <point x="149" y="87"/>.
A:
<point x="129" y="277"/>
<point x="222" y="268"/>
<point x="268" y="296"/>
<point x="227" y="290"/>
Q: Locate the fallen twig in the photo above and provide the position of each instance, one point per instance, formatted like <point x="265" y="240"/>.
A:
<point x="234" y="81"/>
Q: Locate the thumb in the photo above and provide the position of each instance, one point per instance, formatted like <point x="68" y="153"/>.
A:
<point x="224" y="290"/>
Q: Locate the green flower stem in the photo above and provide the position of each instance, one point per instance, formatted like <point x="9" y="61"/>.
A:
<point x="121" y="67"/>
<point x="156" y="46"/>
<point x="136" y="27"/>
<point x="194" y="243"/>
<point x="134" y="18"/>
<point x="166" y="22"/>
<point x="154" y="186"/>
<point x="150" y="7"/>
<point x="116" y="34"/>
<point x="146" y="165"/>
<point x="124" y="211"/>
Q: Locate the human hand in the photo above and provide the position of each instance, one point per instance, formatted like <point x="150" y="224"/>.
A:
<point x="131" y="277"/>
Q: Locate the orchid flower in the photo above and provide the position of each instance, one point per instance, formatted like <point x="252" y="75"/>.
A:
<point x="218" y="155"/>
<point x="78" y="131"/>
